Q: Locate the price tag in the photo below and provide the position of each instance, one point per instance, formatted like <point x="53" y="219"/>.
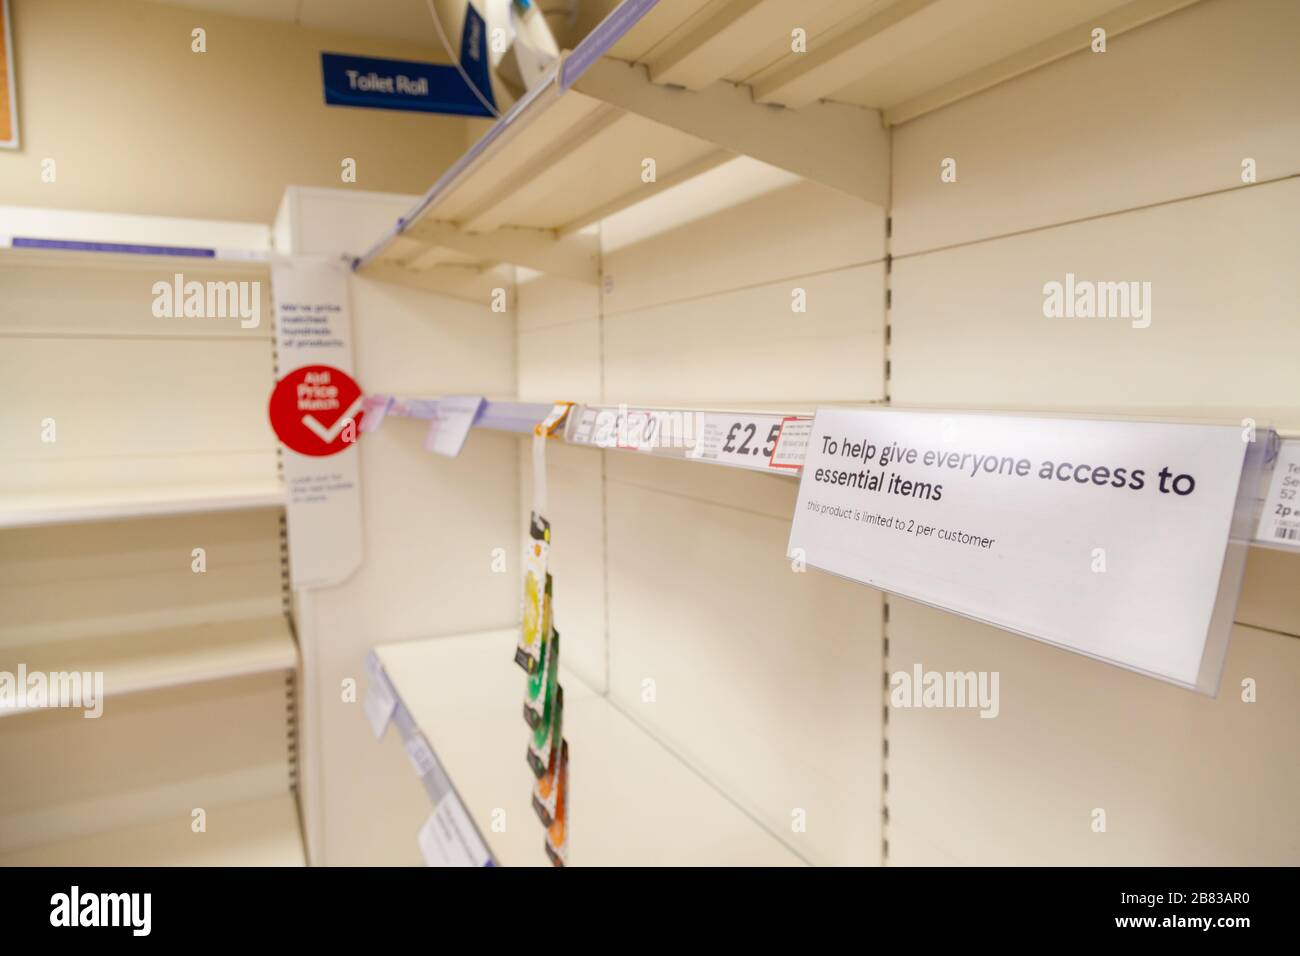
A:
<point x="450" y="426"/>
<point x="1279" y="523"/>
<point x="746" y="441"/>
<point x="374" y="409"/>
<point x="381" y="700"/>
<point x="448" y="837"/>
<point x="792" y="443"/>
<point x="582" y="429"/>
<point x="609" y="427"/>
<point x="421" y="754"/>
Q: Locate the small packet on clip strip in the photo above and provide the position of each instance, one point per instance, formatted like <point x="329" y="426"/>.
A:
<point x="546" y="790"/>
<point x="539" y="680"/>
<point x="557" y="834"/>
<point x="543" y="740"/>
<point x="528" y="653"/>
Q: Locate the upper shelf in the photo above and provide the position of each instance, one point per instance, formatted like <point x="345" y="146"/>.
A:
<point x="664" y="90"/>
<point x="68" y="237"/>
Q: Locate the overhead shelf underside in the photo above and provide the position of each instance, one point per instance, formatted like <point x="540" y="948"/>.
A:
<point x="688" y="85"/>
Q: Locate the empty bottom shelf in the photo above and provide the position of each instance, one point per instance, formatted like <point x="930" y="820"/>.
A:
<point x="632" y="802"/>
<point x="261" y="832"/>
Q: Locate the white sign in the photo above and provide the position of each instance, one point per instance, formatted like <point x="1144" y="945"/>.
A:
<point x="448" y="837"/>
<point x="757" y="442"/>
<point x="1279" y="522"/>
<point x="313" y="326"/>
<point x="452" y="419"/>
<point x="1107" y="538"/>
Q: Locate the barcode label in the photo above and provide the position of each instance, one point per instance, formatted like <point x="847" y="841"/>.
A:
<point x="1279" y="520"/>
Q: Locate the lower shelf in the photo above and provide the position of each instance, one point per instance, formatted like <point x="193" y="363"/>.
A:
<point x="262" y="832"/>
<point x="150" y="660"/>
<point x="109" y="503"/>
<point x="632" y="802"/>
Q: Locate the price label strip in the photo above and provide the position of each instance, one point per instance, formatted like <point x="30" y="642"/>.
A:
<point x="381" y="699"/>
<point x="449" y="836"/>
<point x="755" y="441"/>
<point x="1279" y="521"/>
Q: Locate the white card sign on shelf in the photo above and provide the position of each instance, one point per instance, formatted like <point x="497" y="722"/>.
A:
<point x="313" y="334"/>
<point x="1112" y="539"/>
<point x="1279" y="521"/>
<point x="448" y="837"/>
<point x="453" y="417"/>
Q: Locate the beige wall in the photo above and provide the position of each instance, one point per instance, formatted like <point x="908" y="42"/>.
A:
<point x="138" y="123"/>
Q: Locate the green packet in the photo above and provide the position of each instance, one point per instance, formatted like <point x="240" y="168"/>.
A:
<point x="544" y="736"/>
<point x="536" y="617"/>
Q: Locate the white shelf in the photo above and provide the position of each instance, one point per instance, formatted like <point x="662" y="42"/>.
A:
<point x="76" y="238"/>
<point x="170" y="657"/>
<point x="633" y="803"/>
<point x="262" y="832"/>
<point x="143" y="501"/>
<point x="691" y="84"/>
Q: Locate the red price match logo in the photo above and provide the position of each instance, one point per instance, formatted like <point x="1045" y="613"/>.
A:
<point x="315" y="410"/>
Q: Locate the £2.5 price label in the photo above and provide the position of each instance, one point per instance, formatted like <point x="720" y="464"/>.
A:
<point x="757" y="442"/>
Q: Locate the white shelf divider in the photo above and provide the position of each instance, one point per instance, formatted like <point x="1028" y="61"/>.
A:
<point x="169" y="657"/>
<point x="633" y="802"/>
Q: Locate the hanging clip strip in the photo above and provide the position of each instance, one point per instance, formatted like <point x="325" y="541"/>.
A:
<point x="546" y="427"/>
